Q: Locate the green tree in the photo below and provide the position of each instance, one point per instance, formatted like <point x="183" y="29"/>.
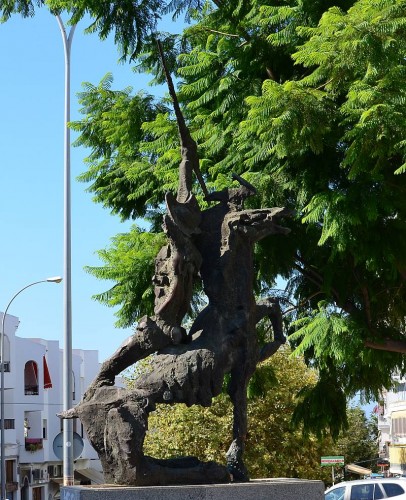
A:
<point x="359" y="443"/>
<point x="274" y="448"/>
<point x="131" y="254"/>
<point x="305" y="99"/>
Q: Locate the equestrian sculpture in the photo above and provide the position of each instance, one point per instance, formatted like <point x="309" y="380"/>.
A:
<point x="216" y="246"/>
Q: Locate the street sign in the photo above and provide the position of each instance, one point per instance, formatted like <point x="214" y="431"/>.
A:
<point x="331" y="461"/>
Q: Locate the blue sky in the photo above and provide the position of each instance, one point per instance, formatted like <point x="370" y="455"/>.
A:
<point x="31" y="182"/>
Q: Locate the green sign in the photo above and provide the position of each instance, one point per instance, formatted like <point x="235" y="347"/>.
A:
<point x="330" y="461"/>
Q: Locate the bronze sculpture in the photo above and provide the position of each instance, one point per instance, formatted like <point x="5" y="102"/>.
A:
<point x="216" y="246"/>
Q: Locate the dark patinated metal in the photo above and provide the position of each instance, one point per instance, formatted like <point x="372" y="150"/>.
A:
<point x="214" y="245"/>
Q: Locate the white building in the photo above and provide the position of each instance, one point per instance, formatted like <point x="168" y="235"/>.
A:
<point x="33" y="396"/>
<point x="391" y="413"/>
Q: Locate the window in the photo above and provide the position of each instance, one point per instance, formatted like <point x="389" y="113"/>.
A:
<point x="6" y="353"/>
<point x="9" y="423"/>
<point x="337" y="494"/>
<point x="73" y="386"/>
<point x="392" y="489"/>
<point x="399" y="423"/>
<point x="399" y="387"/>
<point x="44" y="429"/>
<point x="378" y="492"/>
<point x="399" y="427"/>
<point x="362" y="492"/>
<point x="31" y="378"/>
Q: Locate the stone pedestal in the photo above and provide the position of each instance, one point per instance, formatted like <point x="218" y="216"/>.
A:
<point x="257" y="489"/>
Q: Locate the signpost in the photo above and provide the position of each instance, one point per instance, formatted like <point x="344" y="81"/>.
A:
<point x="331" y="462"/>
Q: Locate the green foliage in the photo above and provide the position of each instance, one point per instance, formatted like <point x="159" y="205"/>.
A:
<point x="274" y="448"/>
<point x="178" y="6"/>
<point x="129" y="264"/>
<point x="26" y="8"/>
<point x="359" y="442"/>
<point x="321" y="407"/>
<point x="121" y="173"/>
<point x="331" y="341"/>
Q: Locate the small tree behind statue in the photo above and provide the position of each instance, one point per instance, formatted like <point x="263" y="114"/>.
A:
<point x="215" y="246"/>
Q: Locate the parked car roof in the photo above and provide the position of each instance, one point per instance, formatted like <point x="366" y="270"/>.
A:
<point x="375" y="488"/>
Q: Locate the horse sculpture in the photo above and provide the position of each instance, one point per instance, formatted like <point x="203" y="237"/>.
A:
<point x="216" y="246"/>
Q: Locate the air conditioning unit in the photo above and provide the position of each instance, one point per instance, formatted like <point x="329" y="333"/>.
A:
<point x="52" y="470"/>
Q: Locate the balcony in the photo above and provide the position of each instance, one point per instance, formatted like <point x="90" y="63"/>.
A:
<point x="11" y="486"/>
<point x="383" y="421"/>
<point x="33" y="444"/>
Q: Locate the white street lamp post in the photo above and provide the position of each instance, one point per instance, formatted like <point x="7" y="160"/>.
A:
<point x="68" y="472"/>
<point x="56" y="279"/>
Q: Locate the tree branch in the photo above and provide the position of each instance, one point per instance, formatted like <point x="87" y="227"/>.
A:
<point x="387" y="345"/>
<point x="233" y="35"/>
<point x="243" y="34"/>
<point x="293" y="308"/>
<point x="317" y="279"/>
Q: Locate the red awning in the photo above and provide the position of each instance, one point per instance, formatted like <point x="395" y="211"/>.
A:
<point x="47" y="376"/>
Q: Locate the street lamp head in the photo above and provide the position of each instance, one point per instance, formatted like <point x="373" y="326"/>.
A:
<point x="54" y="279"/>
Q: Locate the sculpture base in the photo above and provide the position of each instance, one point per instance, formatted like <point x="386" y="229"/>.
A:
<point x="257" y="489"/>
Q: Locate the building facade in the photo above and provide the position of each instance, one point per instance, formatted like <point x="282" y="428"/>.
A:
<point x="33" y="388"/>
<point x="391" y="412"/>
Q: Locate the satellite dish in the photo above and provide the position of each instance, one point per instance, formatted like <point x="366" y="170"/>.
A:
<point x="77" y="445"/>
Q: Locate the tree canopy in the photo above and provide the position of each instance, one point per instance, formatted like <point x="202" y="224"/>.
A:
<point x="304" y="99"/>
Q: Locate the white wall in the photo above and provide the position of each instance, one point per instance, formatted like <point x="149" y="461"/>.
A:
<point x="41" y="408"/>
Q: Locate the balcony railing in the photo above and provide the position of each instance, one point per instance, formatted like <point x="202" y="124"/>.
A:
<point x="383" y="420"/>
<point x="11" y="486"/>
<point x="31" y="390"/>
